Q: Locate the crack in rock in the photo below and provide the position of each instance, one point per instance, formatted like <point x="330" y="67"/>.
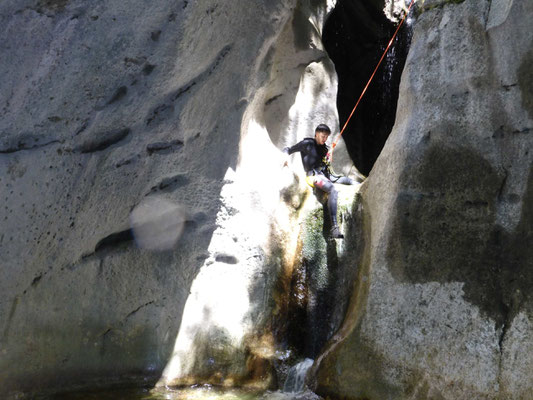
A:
<point x="25" y="144"/>
<point x="112" y="241"/>
<point x="164" y="147"/>
<point x="273" y="99"/>
<point x="119" y="94"/>
<point x="139" y="308"/>
<point x="103" y="141"/>
<point x="159" y="113"/>
<point x="170" y="183"/>
<point x="226" y="258"/>
<point x="14" y="305"/>
<point x="36" y="280"/>
<point x="148" y="68"/>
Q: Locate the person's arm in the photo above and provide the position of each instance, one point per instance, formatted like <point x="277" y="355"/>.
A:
<point x="297" y="147"/>
<point x="290" y="150"/>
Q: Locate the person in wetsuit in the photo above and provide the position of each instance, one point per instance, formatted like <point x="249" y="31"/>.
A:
<point x="314" y="158"/>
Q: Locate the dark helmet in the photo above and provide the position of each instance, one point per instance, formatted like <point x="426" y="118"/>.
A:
<point x="323" y="128"/>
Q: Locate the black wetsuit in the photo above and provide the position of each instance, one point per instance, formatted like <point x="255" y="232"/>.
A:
<point x="313" y="159"/>
<point x="312" y="153"/>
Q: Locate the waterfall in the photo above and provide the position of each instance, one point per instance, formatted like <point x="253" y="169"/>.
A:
<point x="295" y="381"/>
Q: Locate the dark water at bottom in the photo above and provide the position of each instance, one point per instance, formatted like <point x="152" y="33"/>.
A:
<point x="195" y="393"/>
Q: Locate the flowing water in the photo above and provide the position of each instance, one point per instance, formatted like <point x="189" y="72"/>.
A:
<point x="295" y="381"/>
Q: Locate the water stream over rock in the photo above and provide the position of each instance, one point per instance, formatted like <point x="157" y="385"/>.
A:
<point x="295" y="381"/>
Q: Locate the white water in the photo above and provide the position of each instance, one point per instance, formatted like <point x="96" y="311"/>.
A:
<point x="295" y="381"/>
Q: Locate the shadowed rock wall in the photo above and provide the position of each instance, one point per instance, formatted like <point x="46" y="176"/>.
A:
<point x="356" y="34"/>
<point x="442" y="306"/>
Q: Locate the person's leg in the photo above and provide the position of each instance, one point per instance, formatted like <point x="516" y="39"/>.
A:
<point x="344" y="180"/>
<point x="324" y="184"/>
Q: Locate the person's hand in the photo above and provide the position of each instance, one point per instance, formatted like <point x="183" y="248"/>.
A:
<point x="285" y="161"/>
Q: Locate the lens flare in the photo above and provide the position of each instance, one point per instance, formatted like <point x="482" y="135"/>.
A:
<point x="157" y="223"/>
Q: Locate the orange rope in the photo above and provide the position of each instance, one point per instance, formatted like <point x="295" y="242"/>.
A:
<point x="334" y="144"/>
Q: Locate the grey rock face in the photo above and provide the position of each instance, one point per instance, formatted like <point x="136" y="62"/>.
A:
<point x="442" y="306"/>
<point x="103" y="105"/>
<point x="112" y="107"/>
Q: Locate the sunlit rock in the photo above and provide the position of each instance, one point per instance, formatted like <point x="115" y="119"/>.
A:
<point x="396" y="9"/>
<point x="235" y="315"/>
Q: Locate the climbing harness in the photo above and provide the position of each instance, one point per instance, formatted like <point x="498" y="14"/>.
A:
<point x="326" y="170"/>
<point x="334" y="144"/>
<point x="310" y="180"/>
<point x="310" y="177"/>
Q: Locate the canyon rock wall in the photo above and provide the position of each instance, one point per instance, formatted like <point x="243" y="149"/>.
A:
<point x="235" y="322"/>
<point x="128" y="122"/>
<point x="177" y="111"/>
<point x="442" y="306"/>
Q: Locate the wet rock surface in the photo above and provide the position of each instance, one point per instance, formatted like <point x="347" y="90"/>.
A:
<point x="441" y="305"/>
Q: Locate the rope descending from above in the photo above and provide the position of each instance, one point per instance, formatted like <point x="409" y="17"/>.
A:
<point x="334" y="144"/>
